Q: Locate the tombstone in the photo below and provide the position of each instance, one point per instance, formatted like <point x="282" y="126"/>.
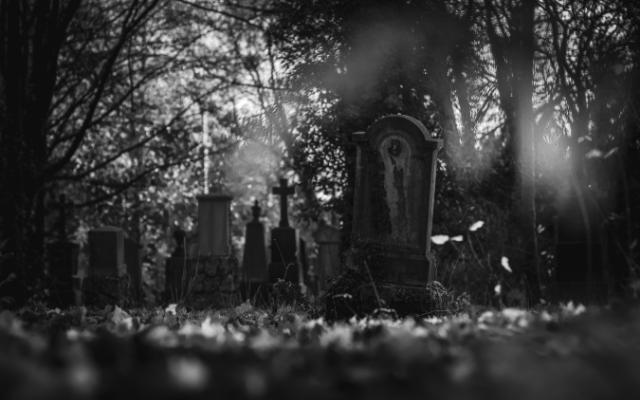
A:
<point x="209" y="264"/>
<point x="107" y="280"/>
<point x="177" y="267"/>
<point x="393" y="199"/>
<point x="328" y="261"/>
<point x="580" y="274"/>
<point x="214" y="239"/>
<point x="63" y="261"/>
<point x="254" y="261"/>
<point x="283" y="241"/>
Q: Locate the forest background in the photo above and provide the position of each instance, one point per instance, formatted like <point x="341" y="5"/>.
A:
<point x="129" y="107"/>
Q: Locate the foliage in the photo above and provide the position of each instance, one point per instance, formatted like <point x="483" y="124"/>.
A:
<point x="249" y="353"/>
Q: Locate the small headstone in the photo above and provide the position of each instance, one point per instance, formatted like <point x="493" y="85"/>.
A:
<point x="393" y="199"/>
<point x="214" y="216"/>
<point x="177" y="267"/>
<point x="107" y="279"/>
<point x="328" y="261"/>
<point x="283" y="241"/>
<point x="63" y="260"/>
<point x="254" y="261"/>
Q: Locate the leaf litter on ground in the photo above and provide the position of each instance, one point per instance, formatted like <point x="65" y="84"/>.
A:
<point x="251" y="353"/>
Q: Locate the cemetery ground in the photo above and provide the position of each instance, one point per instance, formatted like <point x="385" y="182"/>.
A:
<point x="556" y="352"/>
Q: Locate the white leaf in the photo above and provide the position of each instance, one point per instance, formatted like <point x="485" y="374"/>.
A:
<point x="439" y="239"/>
<point x="476" y="225"/>
<point x="504" y="261"/>
<point x="583" y="138"/>
<point x="171" y="309"/>
<point x="458" y="238"/>
<point x="611" y="152"/>
<point x="595" y="153"/>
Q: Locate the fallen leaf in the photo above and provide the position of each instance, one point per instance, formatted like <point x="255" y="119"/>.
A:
<point x="476" y="225"/>
<point x="504" y="261"/>
<point x="440" y="239"/>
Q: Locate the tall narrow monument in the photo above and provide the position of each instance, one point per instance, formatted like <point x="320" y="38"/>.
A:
<point x="283" y="241"/>
<point x="254" y="261"/>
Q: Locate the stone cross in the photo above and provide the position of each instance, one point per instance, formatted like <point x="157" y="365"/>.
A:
<point x="283" y="191"/>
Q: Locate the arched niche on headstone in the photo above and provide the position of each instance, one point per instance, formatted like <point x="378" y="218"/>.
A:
<point x="393" y="198"/>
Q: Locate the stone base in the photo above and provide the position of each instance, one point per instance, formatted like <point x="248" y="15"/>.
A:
<point x="287" y="272"/>
<point x="352" y="293"/>
<point x="284" y="263"/>
<point x="100" y="291"/>
<point x="402" y="267"/>
<point x="209" y="282"/>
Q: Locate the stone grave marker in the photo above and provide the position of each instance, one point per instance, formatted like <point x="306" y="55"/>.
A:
<point x="107" y="281"/>
<point x="327" y="265"/>
<point x="393" y="199"/>
<point x="63" y="260"/>
<point x="283" y="241"/>
<point x="254" y="261"/>
<point x="209" y="267"/>
<point x="214" y="221"/>
<point x="177" y="266"/>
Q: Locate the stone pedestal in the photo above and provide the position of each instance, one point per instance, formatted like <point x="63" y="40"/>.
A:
<point x="393" y="199"/>
<point x="283" y="255"/>
<point x="214" y="225"/>
<point x="107" y="281"/>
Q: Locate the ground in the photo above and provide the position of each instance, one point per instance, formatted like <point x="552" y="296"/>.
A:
<point x="562" y="352"/>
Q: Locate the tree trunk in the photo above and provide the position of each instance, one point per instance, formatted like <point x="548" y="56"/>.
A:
<point x="32" y="35"/>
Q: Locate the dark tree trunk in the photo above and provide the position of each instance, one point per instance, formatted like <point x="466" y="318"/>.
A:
<point x="32" y="34"/>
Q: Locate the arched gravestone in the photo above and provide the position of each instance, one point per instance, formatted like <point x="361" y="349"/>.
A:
<point x="393" y="199"/>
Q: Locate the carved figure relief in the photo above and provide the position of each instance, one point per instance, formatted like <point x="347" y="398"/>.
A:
<point x="396" y="155"/>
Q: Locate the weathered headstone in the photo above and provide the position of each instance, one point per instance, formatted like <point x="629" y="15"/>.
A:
<point x="328" y="261"/>
<point x="393" y="199"/>
<point x="283" y="241"/>
<point x="63" y="260"/>
<point x="107" y="279"/>
<point x="177" y="267"/>
<point x="210" y="263"/>
<point x="214" y="218"/>
<point x="254" y="261"/>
